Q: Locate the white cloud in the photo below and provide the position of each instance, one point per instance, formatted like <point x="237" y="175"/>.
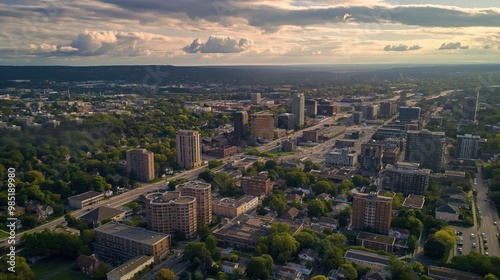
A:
<point x="401" y="48"/>
<point x="219" y="44"/>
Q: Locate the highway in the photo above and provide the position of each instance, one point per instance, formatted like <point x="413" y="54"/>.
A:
<point x="489" y="216"/>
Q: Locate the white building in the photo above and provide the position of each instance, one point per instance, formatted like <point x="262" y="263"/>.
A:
<point x="341" y="157"/>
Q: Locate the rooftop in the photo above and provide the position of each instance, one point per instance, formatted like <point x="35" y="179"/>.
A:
<point x="372" y="237"/>
<point x="414" y="201"/>
<point x="130" y="266"/>
<point x="102" y="213"/>
<point x="132" y="233"/>
<point x="85" y="196"/>
<point x="448" y="273"/>
<point x="195" y="185"/>
<point x="367" y="257"/>
<point x="169" y="197"/>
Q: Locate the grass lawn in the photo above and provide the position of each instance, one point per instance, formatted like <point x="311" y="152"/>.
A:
<point x="3" y="234"/>
<point x="46" y="267"/>
<point x="68" y="274"/>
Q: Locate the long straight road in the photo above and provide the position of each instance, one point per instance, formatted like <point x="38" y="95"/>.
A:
<point x="489" y="216"/>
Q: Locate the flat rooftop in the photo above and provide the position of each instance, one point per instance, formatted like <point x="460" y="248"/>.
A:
<point x="367" y="257"/>
<point x="169" y="197"/>
<point x="414" y="201"/>
<point x="448" y="273"/>
<point x="195" y="185"/>
<point x="376" y="238"/>
<point x="86" y="195"/>
<point x="132" y="233"/>
<point x="130" y="265"/>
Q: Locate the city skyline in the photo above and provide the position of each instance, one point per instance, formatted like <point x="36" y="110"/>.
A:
<point x="228" y="32"/>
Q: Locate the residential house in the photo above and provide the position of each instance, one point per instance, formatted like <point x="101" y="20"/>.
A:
<point x="289" y="273"/>
<point x="87" y="264"/>
<point x="377" y="276"/>
<point x="102" y="213"/>
<point x="400" y="233"/>
<point x="447" y="212"/>
<point x="308" y="255"/>
<point x="18" y="211"/>
<point x="302" y="268"/>
<point x="229" y="267"/>
<point x="343" y="198"/>
<point x="324" y="196"/>
<point x="329" y="223"/>
<point x="291" y="214"/>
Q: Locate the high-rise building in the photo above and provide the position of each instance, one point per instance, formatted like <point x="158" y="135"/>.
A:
<point x="372" y="212"/>
<point x="425" y="148"/>
<point x="372" y="111"/>
<point x="141" y="163"/>
<point x="467" y="146"/>
<point x="256" y="186"/>
<point x="255" y="98"/>
<point x="262" y="125"/>
<point x="387" y="109"/>
<point x="357" y="117"/>
<point x="240" y="125"/>
<point x="188" y="145"/>
<point x="286" y="121"/>
<point x="409" y="113"/>
<point x="406" y="178"/>
<point x="298" y="108"/>
<point x="203" y="194"/>
<point x="170" y="212"/>
<point x="311" y="107"/>
<point x="469" y="111"/>
<point x="402" y="98"/>
<point x="371" y="157"/>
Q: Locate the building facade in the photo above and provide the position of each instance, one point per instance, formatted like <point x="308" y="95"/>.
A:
<point x="255" y="98"/>
<point x="240" y="124"/>
<point x="188" y="145"/>
<point x="170" y="212"/>
<point x="469" y="111"/>
<point x="116" y="240"/>
<point x="425" y="148"/>
<point x="262" y="125"/>
<point x="371" y="211"/>
<point x="298" y="108"/>
<point x="371" y="158"/>
<point x="342" y="157"/>
<point x="256" y="186"/>
<point x="467" y="146"/>
<point x="311" y="107"/>
<point x="406" y="178"/>
<point x="286" y="121"/>
<point x="409" y="113"/>
<point x="141" y="163"/>
<point x="203" y="194"/>
<point x="388" y="109"/>
<point x="230" y="207"/>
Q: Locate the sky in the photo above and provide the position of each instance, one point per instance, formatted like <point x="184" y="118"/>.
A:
<point x="248" y="32"/>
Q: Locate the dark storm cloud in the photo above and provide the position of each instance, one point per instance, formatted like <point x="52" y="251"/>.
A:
<point x="401" y="48"/>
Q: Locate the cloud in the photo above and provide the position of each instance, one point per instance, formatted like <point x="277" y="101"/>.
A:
<point x="487" y="46"/>
<point x="401" y="48"/>
<point x="218" y="44"/>
<point x="453" y="46"/>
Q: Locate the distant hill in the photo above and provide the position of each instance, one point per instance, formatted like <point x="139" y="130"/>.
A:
<point x="321" y="74"/>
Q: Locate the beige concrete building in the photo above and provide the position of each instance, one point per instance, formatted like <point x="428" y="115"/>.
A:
<point x="230" y="207"/>
<point x="262" y="125"/>
<point x="255" y="98"/>
<point x="127" y="270"/>
<point x="85" y="199"/>
<point x="188" y="145"/>
<point x="115" y="240"/>
<point x="170" y="212"/>
<point x="203" y="194"/>
<point x="141" y="162"/>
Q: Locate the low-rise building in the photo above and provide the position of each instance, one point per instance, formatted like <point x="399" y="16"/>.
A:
<point x="342" y="157"/>
<point x="367" y="259"/>
<point x="376" y="241"/>
<point x="229" y="267"/>
<point x="85" y="199"/>
<point x="87" y="264"/>
<point x="447" y="212"/>
<point x="414" y="201"/>
<point x="444" y="273"/>
<point x="115" y="240"/>
<point x="127" y="270"/>
<point x="230" y="207"/>
<point x="102" y="213"/>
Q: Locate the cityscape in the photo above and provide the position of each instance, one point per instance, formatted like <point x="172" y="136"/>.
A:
<point x="249" y="140"/>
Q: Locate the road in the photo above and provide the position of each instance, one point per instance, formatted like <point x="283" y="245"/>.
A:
<point x="489" y="214"/>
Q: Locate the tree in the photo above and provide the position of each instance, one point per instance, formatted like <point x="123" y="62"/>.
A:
<point x="435" y="248"/>
<point x="425" y="277"/>
<point x="345" y="186"/>
<point x="305" y="239"/>
<point x="322" y="187"/>
<point x="400" y="270"/>
<point x="101" y="271"/>
<point x="203" y="231"/>
<point x="357" y="180"/>
<point x="165" y="274"/>
<point x="195" y="250"/>
<point x="344" y="216"/>
<point x="349" y="271"/>
<point x="316" y="208"/>
<point x="22" y="269"/>
<point x="259" y="267"/>
<point x="319" y="277"/>
<point x="490" y="276"/>
<point x="277" y="202"/>
<point x="418" y="267"/>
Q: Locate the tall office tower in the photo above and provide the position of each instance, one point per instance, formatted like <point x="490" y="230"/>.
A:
<point x="203" y="194"/>
<point x="357" y="117"/>
<point x="467" y="146"/>
<point x="141" y="163"/>
<point x="188" y="144"/>
<point x="470" y="109"/>
<point x="406" y="178"/>
<point x="402" y="99"/>
<point x="255" y="98"/>
<point x="262" y="125"/>
<point x="425" y="148"/>
<point x="409" y="113"/>
<point x="371" y="212"/>
<point x="298" y="107"/>
<point x="240" y="125"/>
<point x="286" y="121"/>
<point x="171" y="212"/>
<point x="371" y="157"/>
<point x="387" y="109"/>
<point x="372" y="111"/>
<point x="311" y="107"/>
